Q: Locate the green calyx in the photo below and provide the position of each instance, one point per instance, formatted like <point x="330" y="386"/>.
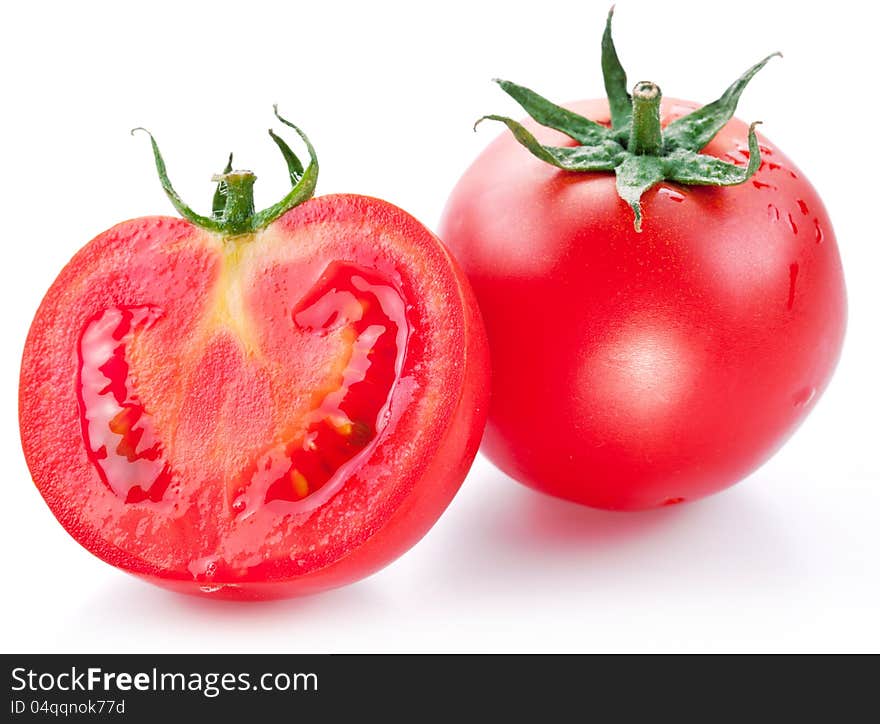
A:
<point x="635" y="148"/>
<point x="233" y="212"/>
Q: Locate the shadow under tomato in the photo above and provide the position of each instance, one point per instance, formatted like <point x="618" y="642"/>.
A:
<point x="552" y="522"/>
<point x="510" y="538"/>
<point x="126" y="602"/>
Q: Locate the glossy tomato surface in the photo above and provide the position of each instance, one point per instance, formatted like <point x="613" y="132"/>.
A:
<point x="259" y="416"/>
<point x="634" y="370"/>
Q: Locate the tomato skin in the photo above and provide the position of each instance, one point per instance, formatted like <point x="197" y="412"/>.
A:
<point x="393" y="495"/>
<point x="634" y="370"/>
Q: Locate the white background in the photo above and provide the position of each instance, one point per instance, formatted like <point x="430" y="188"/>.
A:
<point x="787" y="560"/>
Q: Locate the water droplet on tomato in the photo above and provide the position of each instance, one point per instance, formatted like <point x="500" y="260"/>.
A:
<point x="239" y="505"/>
<point x="203" y="568"/>
<point x="670" y="194"/>
<point x="805" y="396"/>
<point x="792" y="281"/>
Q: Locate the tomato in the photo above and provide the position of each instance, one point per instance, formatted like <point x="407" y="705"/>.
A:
<point x="635" y="369"/>
<point x="255" y="414"/>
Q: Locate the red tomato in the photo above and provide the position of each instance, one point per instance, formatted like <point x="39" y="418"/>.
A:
<point x="633" y="370"/>
<point x="257" y="416"/>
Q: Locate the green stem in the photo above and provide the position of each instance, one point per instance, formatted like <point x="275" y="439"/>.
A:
<point x="233" y="212"/>
<point x="239" y="209"/>
<point x="635" y="148"/>
<point x="645" y="138"/>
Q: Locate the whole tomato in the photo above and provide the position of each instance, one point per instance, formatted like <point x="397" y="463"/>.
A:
<point x="656" y="336"/>
<point x="255" y="404"/>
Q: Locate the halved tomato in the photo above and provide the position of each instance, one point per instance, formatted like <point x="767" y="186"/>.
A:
<point x="255" y="414"/>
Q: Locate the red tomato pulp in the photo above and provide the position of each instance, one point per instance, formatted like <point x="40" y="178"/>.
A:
<point x="256" y="416"/>
<point x="633" y="370"/>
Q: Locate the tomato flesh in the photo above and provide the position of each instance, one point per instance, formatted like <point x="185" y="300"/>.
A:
<point x="255" y="417"/>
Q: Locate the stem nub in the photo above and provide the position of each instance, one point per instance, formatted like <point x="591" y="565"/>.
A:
<point x="645" y="137"/>
<point x="239" y="209"/>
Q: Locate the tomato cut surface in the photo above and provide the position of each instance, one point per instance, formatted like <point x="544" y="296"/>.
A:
<point x="256" y="416"/>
